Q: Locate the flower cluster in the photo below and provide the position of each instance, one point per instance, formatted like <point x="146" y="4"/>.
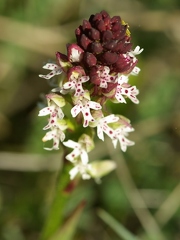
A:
<point x="95" y="70"/>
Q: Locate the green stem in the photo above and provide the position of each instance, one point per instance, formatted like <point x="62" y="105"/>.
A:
<point x="63" y="189"/>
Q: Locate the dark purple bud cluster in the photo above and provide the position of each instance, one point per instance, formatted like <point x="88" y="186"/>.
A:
<point x="105" y="40"/>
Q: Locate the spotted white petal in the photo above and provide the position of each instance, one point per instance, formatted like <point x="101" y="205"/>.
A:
<point x="51" y="66"/>
<point x="110" y="118"/>
<point x="131" y="93"/>
<point x="119" y="96"/>
<point x="135" y="71"/>
<point x="100" y="133"/>
<point x="73" y="155"/>
<point x="102" y="126"/>
<point x="124" y="143"/>
<point x="87" y="116"/>
<point x="122" y="79"/>
<point x="52" y="135"/>
<point x="56" y="70"/>
<point x="94" y="105"/>
<point x="76" y="110"/>
<point x="69" y="85"/>
<point x="51" y="74"/>
<point x="71" y="144"/>
<point x="45" y="111"/>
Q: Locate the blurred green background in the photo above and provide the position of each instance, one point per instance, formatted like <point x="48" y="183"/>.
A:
<point x="143" y="194"/>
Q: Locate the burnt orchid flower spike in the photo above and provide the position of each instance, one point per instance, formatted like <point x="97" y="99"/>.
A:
<point x="96" y="69"/>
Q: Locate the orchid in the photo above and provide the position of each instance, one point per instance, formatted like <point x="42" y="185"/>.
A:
<point x="95" y="70"/>
<point x="127" y="91"/>
<point x="76" y="79"/>
<point x="78" y="151"/>
<point x="102" y="126"/>
<point x="84" y="106"/>
<point x="81" y="148"/>
<point x="120" y="135"/>
<point x="56" y="70"/>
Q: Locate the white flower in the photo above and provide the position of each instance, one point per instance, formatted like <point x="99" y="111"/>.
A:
<point x="75" y="84"/>
<point x="84" y="106"/>
<point x="128" y="91"/>
<point x="122" y="79"/>
<point x="81" y="168"/>
<point x="56" y="135"/>
<point x="56" y="122"/>
<point x="79" y="151"/>
<point x="55" y="114"/>
<point x="55" y="103"/>
<point x="56" y="70"/>
<point x="102" y="126"/>
<point x="120" y="135"/>
<point x="105" y="77"/>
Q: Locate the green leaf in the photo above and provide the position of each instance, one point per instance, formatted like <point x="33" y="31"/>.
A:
<point x="116" y="226"/>
<point x="68" y="229"/>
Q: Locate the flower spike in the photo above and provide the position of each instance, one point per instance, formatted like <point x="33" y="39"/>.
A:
<point x="95" y="70"/>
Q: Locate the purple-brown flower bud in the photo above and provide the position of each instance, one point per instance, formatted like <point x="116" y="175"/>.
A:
<point x="96" y="48"/>
<point x="94" y="34"/>
<point x="84" y="41"/>
<point x="109" y="58"/>
<point x="89" y="59"/>
<point x="74" y="52"/>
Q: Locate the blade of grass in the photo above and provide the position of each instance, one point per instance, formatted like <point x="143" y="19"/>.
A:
<point x="169" y="207"/>
<point x="116" y="226"/>
<point x="148" y="222"/>
<point x="68" y="229"/>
